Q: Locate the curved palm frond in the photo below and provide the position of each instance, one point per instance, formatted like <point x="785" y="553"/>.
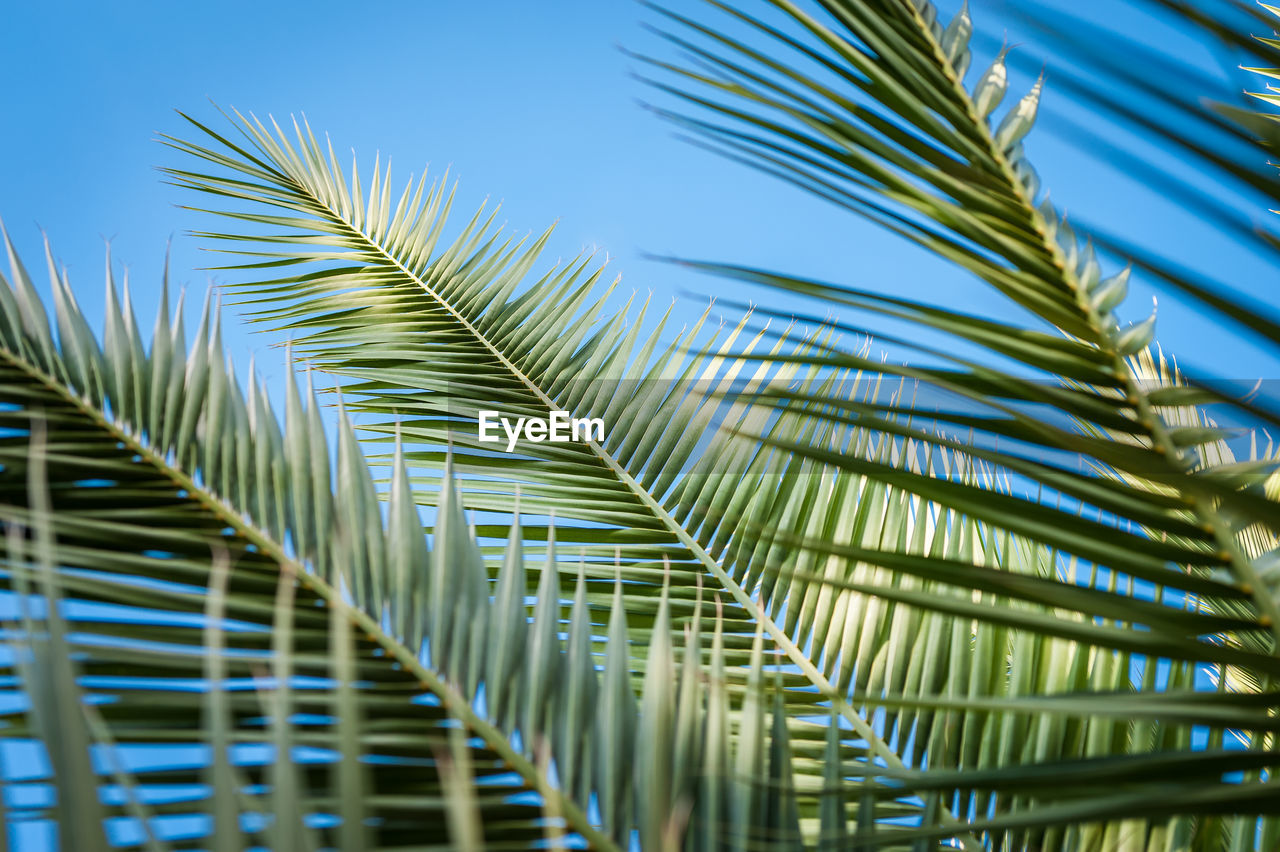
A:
<point x="197" y="565"/>
<point x="153" y="463"/>
<point x="858" y="631"/>
<point x="999" y="642"/>
<point x="862" y="103"/>
<point x="430" y="332"/>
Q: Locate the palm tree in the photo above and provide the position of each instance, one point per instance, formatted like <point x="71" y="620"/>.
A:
<point x="778" y="604"/>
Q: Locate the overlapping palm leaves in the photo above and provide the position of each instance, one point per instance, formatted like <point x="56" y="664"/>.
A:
<point x="431" y="332"/>
<point x="882" y="125"/>
<point x="970" y="195"/>
<point x="199" y="576"/>
<point x="155" y="469"/>
<point x="978" y="643"/>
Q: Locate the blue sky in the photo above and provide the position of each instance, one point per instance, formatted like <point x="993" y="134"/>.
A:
<point x="530" y="104"/>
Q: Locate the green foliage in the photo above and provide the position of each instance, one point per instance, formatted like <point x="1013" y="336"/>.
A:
<point x="777" y="606"/>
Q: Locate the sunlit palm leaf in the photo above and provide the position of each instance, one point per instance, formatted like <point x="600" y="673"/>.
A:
<point x="432" y="331"/>
<point x="194" y="623"/>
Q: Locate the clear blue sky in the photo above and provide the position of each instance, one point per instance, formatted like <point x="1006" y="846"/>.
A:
<point x="529" y="103"/>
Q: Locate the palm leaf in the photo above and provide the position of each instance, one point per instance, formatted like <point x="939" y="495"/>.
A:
<point x="166" y="583"/>
<point x="430" y="331"/>
<point x="140" y="498"/>
<point x="880" y="123"/>
<point x="1207" y="120"/>
<point x="859" y="624"/>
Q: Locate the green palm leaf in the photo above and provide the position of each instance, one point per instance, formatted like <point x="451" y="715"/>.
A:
<point x="280" y="589"/>
<point x="880" y="123"/>
<point x="145" y="502"/>
<point x="854" y="615"/>
<point x="429" y="332"/>
<point x="979" y="637"/>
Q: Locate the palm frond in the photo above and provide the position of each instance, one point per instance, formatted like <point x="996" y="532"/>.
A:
<point x="1102" y="387"/>
<point x="1208" y="121"/>
<point x="429" y="332"/>
<point x="142" y="495"/>
<point x="903" y="563"/>
<point x="1112" y="481"/>
<point x="349" y="650"/>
